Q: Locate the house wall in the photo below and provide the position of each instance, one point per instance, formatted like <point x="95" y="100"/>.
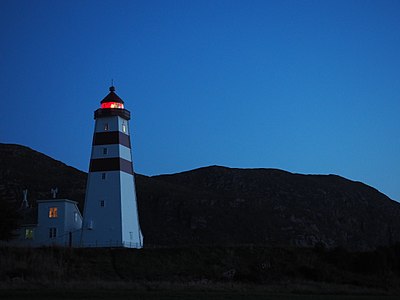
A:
<point x="68" y="220"/>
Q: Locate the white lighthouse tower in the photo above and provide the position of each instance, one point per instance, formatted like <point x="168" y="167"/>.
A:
<point x="110" y="217"/>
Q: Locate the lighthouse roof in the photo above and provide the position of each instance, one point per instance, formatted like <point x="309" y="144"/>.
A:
<point x="112" y="105"/>
<point x="112" y="97"/>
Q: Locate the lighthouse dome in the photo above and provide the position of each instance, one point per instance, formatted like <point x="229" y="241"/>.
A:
<point x="112" y="100"/>
<point x="112" y="105"/>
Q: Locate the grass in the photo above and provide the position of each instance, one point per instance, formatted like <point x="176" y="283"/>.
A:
<point x="198" y="273"/>
<point x="166" y="295"/>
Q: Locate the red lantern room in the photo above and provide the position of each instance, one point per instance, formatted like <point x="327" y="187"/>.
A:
<point x="112" y="100"/>
<point x="112" y="105"/>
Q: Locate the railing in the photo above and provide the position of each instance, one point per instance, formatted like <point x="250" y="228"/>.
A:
<point x="72" y="238"/>
<point x="110" y="244"/>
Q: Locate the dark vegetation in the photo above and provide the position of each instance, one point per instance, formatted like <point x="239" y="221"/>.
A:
<point x="289" y="270"/>
<point x="10" y="219"/>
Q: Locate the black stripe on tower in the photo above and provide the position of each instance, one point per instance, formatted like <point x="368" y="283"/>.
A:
<point x="111" y="138"/>
<point x="110" y="112"/>
<point x="111" y="164"/>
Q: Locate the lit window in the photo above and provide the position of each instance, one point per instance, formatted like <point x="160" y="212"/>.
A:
<point x="103" y="176"/>
<point x="102" y="203"/>
<point x="52" y="232"/>
<point x="112" y="105"/>
<point x="106" y="128"/>
<point x="123" y="128"/>
<point x="29" y="234"/>
<point x="53" y="212"/>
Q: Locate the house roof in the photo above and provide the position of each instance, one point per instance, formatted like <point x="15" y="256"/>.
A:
<point x="56" y="200"/>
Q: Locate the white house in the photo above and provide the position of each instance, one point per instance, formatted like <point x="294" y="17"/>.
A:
<point x="59" y="223"/>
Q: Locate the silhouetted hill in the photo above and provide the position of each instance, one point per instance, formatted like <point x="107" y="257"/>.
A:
<point x="273" y="207"/>
<point x="24" y="168"/>
<point x="225" y="206"/>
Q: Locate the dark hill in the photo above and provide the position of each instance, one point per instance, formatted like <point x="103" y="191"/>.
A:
<point x="24" y="168"/>
<point x="274" y="207"/>
<point x="224" y="206"/>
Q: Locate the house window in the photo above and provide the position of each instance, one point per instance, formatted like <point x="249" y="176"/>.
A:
<point x="123" y="127"/>
<point x="106" y="127"/>
<point x="102" y="203"/>
<point x="105" y="151"/>
<point x="103" y="176"/>
<point x="29" y="234"/>
<point x="53" y="212"/>
<point x="52" y="232"/>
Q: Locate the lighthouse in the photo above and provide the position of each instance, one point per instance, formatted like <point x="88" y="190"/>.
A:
<point x="110" y="217"/>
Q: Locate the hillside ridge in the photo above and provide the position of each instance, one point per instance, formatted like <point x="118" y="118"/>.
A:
<point x="218" y="205"/>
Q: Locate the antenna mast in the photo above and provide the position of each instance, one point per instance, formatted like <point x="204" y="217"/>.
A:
<point x="25" y="203"/>
<point x="54" y="192"/>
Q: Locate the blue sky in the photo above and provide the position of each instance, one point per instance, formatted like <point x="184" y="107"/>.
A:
<point x="306" y="86"/>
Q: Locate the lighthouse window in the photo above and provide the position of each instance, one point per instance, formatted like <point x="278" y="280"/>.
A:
<point x="53" y="212"/>
<point x="123" y="128"/>
<point x="103" y="176"/>
<point x="102" y="203"/>
<point x="106" y="127"/>
<point x="52" y="232"/>
<point x="75" y="217"/>
<point x="105" y="151"/>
